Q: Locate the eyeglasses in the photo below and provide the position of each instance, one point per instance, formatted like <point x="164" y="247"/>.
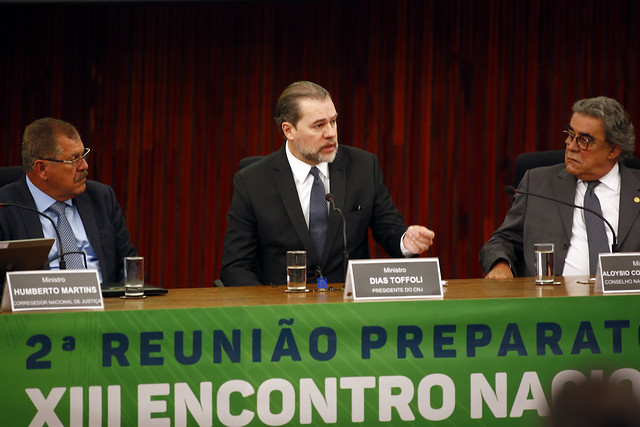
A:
<point x="71" y="162"/>
<point x="583" y="142"/>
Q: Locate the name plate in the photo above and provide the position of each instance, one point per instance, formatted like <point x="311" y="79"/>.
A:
<point x="397" y="278"/>
<point x="52" y="290"/>
<point x="618" y="273"/>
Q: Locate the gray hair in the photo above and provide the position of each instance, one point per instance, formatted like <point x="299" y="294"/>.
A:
<point x="617" y="124"/>
<point x="40" y="140"/>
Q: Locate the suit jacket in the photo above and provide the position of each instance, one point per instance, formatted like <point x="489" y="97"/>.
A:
<point x="101" y="216"/>
<point x="265" y="219"/>
<point x="534" y="220"/>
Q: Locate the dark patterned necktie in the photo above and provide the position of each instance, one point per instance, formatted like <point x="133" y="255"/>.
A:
<point x="596" y="233"/>
<point x="68" y="244"/>
<point x="318" y="215"/>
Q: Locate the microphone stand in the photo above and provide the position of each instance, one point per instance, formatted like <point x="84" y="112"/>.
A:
<point x="345" y="252"/>
<point x="63" y="263"/>
<point x="60" y="257"/>
<point x="614" y="244"/>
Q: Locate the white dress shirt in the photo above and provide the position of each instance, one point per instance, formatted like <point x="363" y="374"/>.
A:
<point x="608" y="192"/>
<point x="304" y="182"/>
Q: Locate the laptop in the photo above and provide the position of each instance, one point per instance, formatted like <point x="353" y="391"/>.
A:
<point x="32" y="254"/>
<point x="110" y="290"/>
<point x="21" y="255"/>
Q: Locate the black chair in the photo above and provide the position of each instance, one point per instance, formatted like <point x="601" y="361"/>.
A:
<point x="537" y="159"/>
<point x="243" y="164"/>
<point x="9" y="174"/>
<point x="526" y="161"/>
<point x="632" y="162"/>
<point x="248" y="160"/>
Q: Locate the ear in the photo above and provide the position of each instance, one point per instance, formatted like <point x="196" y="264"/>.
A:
<point x="614" y="151"/>
<point x="288" y="130"/>
<point x="40" y="169"/>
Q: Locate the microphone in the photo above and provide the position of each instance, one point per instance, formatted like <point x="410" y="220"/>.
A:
<point x="345" y="253"/>
<point x="614" y="246"/>
<point x="61" y="255"/>
<point x="64" y="254"/>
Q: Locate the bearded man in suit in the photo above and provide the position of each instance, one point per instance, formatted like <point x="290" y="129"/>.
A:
<point x="272" y="198"/>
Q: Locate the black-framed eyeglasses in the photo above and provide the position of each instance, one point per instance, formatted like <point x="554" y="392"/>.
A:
<point x="582" y="141"/>
<point x="85" y="153"/>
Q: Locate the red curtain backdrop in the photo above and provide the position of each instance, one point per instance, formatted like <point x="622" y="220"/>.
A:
<point x="170" y="96"/>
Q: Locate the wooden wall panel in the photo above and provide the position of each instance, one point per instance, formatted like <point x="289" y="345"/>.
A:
<point x="170" y="96"/>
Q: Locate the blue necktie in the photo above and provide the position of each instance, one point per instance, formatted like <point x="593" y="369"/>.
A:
<point x="596" y="233"/>
<point x="318" y="215"/>
<point x="68" y="244"/>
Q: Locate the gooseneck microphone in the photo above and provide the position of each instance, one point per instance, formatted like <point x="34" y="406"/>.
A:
<point x="614" y="245"/>
<point x="345" y="253"/>
<point x="61" y="255"/>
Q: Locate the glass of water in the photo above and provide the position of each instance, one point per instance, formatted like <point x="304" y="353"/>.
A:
<point x="296" y="271"/>
<point x="134" y="277"/>
<point x="543" y="253"/>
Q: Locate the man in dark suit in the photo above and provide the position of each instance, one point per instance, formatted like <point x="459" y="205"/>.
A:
<point x="270" y="209"/>
<point x="53" y="158"/>
<point x="599" y="135"/>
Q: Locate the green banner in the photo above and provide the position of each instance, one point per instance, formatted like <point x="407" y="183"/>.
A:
<point x="487" y="362"/>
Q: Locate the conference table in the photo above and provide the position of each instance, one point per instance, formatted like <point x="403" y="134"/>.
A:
<point x="490" y="352"/>
<point x="521" y="287"/>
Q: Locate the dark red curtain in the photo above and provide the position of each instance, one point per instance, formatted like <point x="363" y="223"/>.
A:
<point x="170" y="96"/>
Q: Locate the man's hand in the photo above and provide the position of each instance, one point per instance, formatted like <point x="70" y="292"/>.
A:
<point x="500" y="270"/>
<point x="417" y="239"/>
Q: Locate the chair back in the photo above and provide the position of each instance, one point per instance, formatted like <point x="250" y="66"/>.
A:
<point x="248" y="160"/>
<point x="9" y="174"/>
<point x="536" y="159"/>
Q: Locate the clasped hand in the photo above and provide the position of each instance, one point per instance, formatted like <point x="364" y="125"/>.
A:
<point x="418" y="239"/>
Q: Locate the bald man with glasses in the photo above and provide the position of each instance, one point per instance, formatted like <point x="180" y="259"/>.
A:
<point x="55" y="162"/>
<point x="599" y="136"/>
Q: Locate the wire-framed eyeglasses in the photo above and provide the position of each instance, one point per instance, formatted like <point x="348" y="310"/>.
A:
<point x="85" y="153"/>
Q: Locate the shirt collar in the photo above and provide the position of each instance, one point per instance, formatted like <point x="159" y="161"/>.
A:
<point x="42" y="199"/>
<point x="301" y="169"/>
<point x="611" y="180"/>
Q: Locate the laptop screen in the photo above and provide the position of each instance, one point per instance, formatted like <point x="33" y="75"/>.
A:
<point x="20" y="255"/>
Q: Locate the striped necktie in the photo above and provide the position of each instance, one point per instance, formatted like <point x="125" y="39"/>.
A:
<point x="596" y="233"/>
<point x="68" y="244"/>
<point x="318" y="215"/>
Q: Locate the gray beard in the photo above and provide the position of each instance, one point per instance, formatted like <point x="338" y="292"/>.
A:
<point x="317" y="157"/>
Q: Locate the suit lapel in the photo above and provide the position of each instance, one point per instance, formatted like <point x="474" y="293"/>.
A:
<point x="31" y="220"/>
<point x="337" y="177"/>
<point x="87" y="214"/>
<point x="629" y="202"/>
<point x="289" y="195"/>
<point x="565" y="190"/>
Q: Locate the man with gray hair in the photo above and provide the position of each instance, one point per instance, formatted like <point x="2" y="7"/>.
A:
<point x="598" y="137"/>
